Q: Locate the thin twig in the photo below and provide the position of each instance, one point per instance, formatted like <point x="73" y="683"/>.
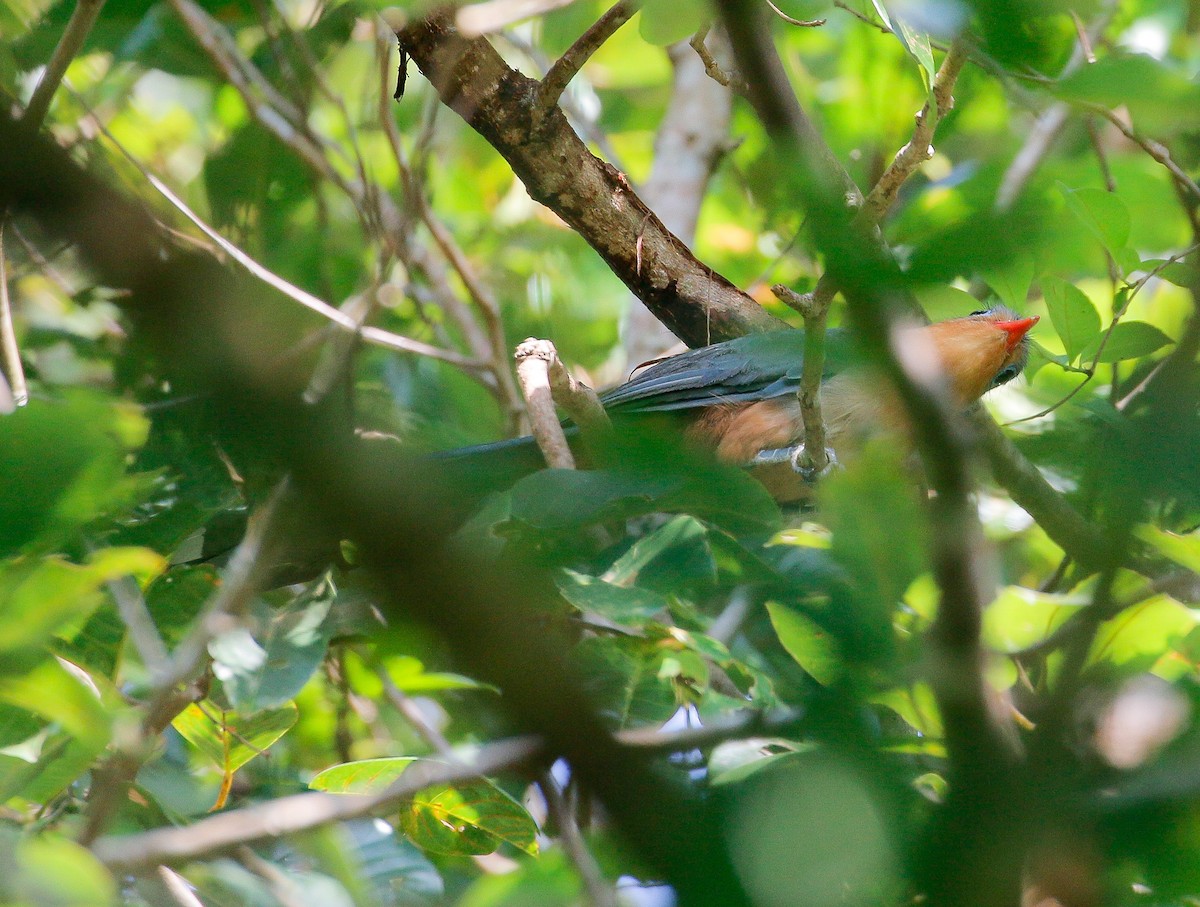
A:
<point x="814" y="310"/>
<point x="14" y="371"/>
<point x="600" y="893"/>
<point x="411" y="713"/>
<point x="372" y="335"/>
<point x="178" y="888"/>
<point x="533" y="373"/>
<point x="565" y="67"/>
<point x="862" y="17"/>
<point x="79" y="26"/>
<point x="920" y="147"/>
<point x="131" y="607"/>
<point x="1156" y="150"/>
<point x="300" y="812"/>
<point x="712" y="68"/>
<point x="803" y="23"/>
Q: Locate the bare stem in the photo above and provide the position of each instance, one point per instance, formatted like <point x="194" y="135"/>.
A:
<point x="920" y="147"/>
<point x="600" y="892"/>
<point x="78" y="27"/>
<point x="14" y="371"/>
<point x="546" y="381"/>
<point x="568" y="65"/>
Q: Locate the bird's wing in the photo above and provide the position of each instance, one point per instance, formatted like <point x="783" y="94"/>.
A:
<point x="755" y="367"/>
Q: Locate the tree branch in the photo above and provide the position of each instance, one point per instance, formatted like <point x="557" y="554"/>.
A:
<point x="79" y="26"/>
<point x="557" y="169"/>
<point x="920" y="147"/>
<point x="299" y="812"/>
<point x="974" y="836"/>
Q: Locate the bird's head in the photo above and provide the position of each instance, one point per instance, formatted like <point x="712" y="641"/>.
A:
<point x="982" y="351"/>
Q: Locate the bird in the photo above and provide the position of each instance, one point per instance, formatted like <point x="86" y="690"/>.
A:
<point x="738" y="398"/>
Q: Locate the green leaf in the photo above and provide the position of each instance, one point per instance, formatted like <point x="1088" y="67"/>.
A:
<point x="1183" y="550"/>
<point x="61" y="693"/>
<point x="175" y="599"/>
<point x="812" y="647"/>
<point x="553" y="500"/>
<point x="38" y="597"/>
<point x="1103" y="213"/>
<point x="915" y="42"/>
<point x="267" y="672"/>
<point x="1181" y="273"/>
<point x="879" y="537"/>
<point x="229" y="740"/>
<point x="47" y="871"/>
<point x="1157" y="95"/>
<point x="1128" y="340"/>
<point x="410" y="676"/>
<point x="621" y="677"/>
<point x="625" y="605"/>
<point x="1021" y="617"/>
<point x="365" y="776"/>
<point x="677" y="531"/>
<point x="664" y="22"/>
<point x="917" y="706"/>
<point x="468" y="820"/>
<point x="1073" y="315"/>
<point x="64" y="465"/>
<point x="1011" y="281"/>
<point x="1140" y="636"/>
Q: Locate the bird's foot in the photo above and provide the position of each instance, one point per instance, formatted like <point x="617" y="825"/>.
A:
<point x="802" y="463"/>
<point x="797" y="458"/>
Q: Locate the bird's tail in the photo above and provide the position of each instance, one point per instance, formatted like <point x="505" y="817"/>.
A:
<point x="475" y="471"/>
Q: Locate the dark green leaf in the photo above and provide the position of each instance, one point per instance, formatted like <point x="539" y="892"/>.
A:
<point x="1074" y="316"/>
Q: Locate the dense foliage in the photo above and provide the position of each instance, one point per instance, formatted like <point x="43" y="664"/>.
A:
<point x="230" y="575"/>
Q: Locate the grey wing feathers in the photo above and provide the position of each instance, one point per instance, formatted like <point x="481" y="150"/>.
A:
<point x="750" y="368"/>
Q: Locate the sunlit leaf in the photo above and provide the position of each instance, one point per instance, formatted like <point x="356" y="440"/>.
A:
<point x="1020" y="617"/>
<point x="61" y="693"/>
<point x="1184" y="550"/>
<point x="367" y="776"/>
<point x="229" y="740"/>
<point x="806" y="642"/>
<point x="467" y="819"/>
<point x="37" y="597"/>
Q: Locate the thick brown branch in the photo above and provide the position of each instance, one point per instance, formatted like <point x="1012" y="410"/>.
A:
<point x="594" y="198"/>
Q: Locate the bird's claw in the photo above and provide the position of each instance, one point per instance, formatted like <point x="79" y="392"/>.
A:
<point x="797" y="457"/>
<point x="801" y="463"/>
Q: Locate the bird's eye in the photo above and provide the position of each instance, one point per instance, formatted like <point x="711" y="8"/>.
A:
<point x="980" y="312"/>
<point x="1005" y="375"/>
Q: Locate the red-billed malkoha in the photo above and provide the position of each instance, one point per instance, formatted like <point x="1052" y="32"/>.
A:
<point x="738" y="398"/>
